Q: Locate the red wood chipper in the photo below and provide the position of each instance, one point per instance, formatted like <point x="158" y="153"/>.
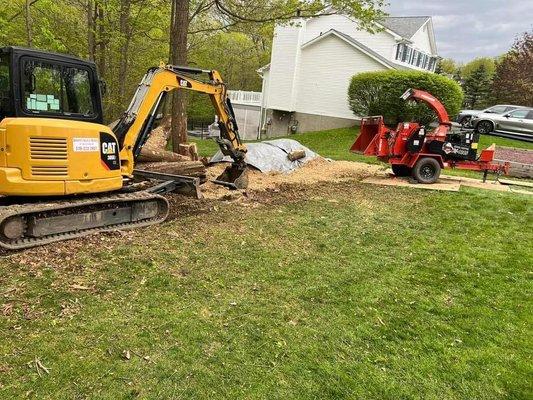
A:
<point x="414" y="151"/>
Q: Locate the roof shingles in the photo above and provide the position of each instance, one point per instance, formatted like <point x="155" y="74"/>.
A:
<point x="406" y="27"/>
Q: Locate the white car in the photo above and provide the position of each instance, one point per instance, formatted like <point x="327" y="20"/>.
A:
<point x="517" y="124"/>
<point x="465" y="116"/>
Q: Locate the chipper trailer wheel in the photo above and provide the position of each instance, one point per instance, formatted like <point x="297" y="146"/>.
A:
<point x="426" y="170"/>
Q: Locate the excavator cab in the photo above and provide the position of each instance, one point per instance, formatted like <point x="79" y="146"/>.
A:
<point x="40" y="84"/>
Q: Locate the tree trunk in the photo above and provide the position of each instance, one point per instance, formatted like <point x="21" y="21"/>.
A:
<point x="179" y="26"/>
<point x="125" y="32"/>
<point x="27" y="14"/>
<point x="91" y="29"/>
<point x="102" y="41"/>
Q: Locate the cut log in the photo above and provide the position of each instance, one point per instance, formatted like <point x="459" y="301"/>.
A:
<point x="296" y="155"/>
<point x="160" y="136"/>
<point x="189" y="168"/>
<point x="189" y="150"/>
<point x="152" y="155"/>
<point x="193" y="152"/>
<point x="155" y="147"/>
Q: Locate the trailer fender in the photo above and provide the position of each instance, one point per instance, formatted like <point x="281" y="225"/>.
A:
<point x="415" y="157"/>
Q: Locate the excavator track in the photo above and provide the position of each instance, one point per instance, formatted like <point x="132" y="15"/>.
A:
<point x="35" y="224"/>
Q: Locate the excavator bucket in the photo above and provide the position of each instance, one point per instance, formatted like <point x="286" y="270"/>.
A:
<point x="234" y="177"/>
<point x="366" y="142"/>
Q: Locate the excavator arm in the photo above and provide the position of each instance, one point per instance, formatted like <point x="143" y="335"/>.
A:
<point x="134" y="128"/>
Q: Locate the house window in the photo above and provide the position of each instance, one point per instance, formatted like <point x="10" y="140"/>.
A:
<point x="432" y="62"/>
<point x="399" y="51"/>
<point x="419" y="61"/>
<point x="407" y="54"/>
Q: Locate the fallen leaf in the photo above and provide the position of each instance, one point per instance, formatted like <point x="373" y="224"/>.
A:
<point x="79" y="287"/>
<point x="7" y="309"/>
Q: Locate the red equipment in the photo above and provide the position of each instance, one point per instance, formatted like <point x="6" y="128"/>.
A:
<point x="411" y="150"/>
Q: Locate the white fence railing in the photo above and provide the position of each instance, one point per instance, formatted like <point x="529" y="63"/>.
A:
<point x="243" y="97"/>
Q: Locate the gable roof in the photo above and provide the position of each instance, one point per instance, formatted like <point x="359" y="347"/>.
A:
<point x="358" y="45"/>
<point x="406" y="27"/>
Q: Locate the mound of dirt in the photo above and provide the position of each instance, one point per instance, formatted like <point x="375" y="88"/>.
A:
<point x="315" y="171"/>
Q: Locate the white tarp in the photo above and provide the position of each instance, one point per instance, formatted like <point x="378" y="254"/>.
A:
<point x="271" y="155"/>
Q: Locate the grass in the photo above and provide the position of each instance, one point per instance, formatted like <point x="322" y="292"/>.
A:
<point x="334" y="144"/>
<point x="337" y="291"/>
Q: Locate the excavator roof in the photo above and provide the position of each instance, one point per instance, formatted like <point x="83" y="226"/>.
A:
<point x="21" y="51"/>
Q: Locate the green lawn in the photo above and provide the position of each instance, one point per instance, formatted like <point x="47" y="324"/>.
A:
<point x="335" y="291"/>
<point x="336" y="144"/>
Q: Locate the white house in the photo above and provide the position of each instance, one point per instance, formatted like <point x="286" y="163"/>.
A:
<point x="306" y="83"/>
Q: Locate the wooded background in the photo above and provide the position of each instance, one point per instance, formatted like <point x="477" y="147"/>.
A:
<point x="126" y="37"/>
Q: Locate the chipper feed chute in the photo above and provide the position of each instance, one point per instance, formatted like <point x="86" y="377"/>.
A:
<point x="367" y="141"/>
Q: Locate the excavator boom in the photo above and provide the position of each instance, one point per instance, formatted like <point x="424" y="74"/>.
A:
<point x="134" y="127"/>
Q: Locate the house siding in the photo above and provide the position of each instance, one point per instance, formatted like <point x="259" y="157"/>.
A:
<point x="286" y="51"/>
<point x="311" y="66"/>
<point x="381" y="42"/>
<point x="421" y="40"/>
<point x="323" y="88"/>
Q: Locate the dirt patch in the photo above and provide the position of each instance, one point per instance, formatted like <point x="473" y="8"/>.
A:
<point x="315" y="171"/>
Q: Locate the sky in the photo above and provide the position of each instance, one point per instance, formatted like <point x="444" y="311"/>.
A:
<point x="465" y="30"/>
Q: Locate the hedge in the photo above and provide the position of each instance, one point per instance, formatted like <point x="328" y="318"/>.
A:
<point x="378" y="93"/>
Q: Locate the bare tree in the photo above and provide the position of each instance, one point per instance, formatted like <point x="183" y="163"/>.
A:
<point x="513" y="82"/>
<point x="179" y="27"/>
<point x="27" y="15"/>
<point x="91" y="29"/>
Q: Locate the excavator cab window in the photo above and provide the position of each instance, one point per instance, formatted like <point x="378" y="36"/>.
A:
<point x="53" y="88"/>
<point x="5" y="87"/>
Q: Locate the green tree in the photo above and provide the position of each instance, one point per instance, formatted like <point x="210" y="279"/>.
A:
<point x="379" y="93"/>
<point x="477" y="87"/>
<point x="446" y="66"/>
<point x="513" y="82"/>
<point x="469" y="68"/>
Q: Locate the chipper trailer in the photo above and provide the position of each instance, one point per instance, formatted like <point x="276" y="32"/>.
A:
<point x="412" y="150"/>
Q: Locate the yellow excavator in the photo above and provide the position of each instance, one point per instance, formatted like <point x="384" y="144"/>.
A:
<point x="63" y="173"/>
